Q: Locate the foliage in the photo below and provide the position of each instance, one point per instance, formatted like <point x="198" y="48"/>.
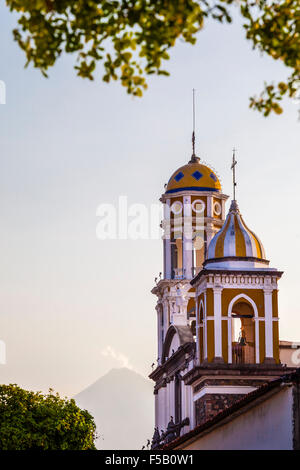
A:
<point x="275" y="29"/>
<point x="31" y="420"/>
<point x="133" y="38"/>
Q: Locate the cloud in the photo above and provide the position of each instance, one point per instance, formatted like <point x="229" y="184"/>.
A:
<point x="117" y="356"/>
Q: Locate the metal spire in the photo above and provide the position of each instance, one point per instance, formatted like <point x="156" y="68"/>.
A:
<point x="194" y="158"/>
<point x="234" y="163"/>
<point x="193" y="135"/>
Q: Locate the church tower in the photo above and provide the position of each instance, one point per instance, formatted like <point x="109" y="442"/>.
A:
<point x="217" y="310"/>
<point x="194" y="210"/>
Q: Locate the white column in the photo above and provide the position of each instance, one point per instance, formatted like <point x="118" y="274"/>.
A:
<point x="257" y="355"/>
<point x="187" y="245"/>
<point x="229" y="328"/>
<point x="218" y="321"/>
<point x="223" y="209"/>
<point x="269" y="322"/>
<point x="167" y="241"/>
<point x="209" y="211"/>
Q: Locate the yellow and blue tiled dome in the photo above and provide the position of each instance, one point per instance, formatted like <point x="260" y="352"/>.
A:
<point x="235" y="239"/>
<point x="194" y="176"/>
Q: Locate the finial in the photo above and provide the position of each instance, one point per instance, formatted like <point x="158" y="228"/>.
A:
<point x="194" y="158"/>
<point x="234" y="163"/>
<point x="193" y="135"/>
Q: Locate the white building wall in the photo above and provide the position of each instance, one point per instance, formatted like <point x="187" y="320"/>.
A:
<point x="159" y="408"/>
<point x="171" y="400"/>
<point x="267" y="426"/>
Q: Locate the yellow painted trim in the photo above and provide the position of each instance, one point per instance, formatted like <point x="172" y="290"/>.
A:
<point x="225" y="340"/>
<point x="276" y="342"/>
<point x="240" y="245"/>
<point x="219" y="248"/>
<point x="262" y="342"/>
<point x="201" y="345"/>
<point x="210" y="340"/>
<point x="275" y="303"/>
<point x="257" y="295"/>
<point x="257" y="243"/>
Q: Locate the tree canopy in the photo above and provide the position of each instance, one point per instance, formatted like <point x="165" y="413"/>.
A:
<point x="133" y="38"/>
<point x="33" y="421"/>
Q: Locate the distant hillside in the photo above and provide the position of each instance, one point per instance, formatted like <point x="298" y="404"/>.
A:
<point x="122" y="403"/>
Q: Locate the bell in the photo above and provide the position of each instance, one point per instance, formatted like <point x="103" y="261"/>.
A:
<point x="242" y="341"/>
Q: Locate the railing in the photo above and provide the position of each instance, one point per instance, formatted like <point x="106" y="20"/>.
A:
<point x="178" y="273"/>
<point x="238" y="356"/>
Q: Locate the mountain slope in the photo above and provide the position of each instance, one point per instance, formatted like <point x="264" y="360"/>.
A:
<point x="122" y="404"/>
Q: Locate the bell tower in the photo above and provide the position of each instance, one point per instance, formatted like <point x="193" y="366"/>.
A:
<point x="236" y="298"/>
<point x="217" y="306"/>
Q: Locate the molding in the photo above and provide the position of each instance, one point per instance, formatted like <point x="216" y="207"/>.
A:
<point x="236" y="277"/>
<point x="217" y="194"/>
<point x="223" y="389"/>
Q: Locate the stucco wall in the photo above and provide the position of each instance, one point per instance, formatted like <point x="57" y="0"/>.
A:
<point x="268" y="425"/>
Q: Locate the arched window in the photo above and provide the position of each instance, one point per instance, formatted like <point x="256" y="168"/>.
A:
<point x="243" y="332"/>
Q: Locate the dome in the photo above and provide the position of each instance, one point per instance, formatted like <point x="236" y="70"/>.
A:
<point x="194" y="176"/>
<point x="235" y="239"/>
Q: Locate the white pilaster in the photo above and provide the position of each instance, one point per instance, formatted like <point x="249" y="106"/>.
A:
<point x="218" y="320"/>
<point x="257" y="355"/>
<point x="268" y="322"/>
<point x="229" y="328"/>
<point x="223" y="209"/>
<point x="209" y="200"/>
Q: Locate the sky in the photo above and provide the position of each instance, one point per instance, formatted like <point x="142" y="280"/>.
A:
<point x="73" y="306"/>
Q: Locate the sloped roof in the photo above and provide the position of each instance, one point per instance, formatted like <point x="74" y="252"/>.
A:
<point x="237" y="406"/>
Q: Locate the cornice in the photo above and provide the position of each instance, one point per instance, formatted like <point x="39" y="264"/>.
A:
<point x="215" y="194"/>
